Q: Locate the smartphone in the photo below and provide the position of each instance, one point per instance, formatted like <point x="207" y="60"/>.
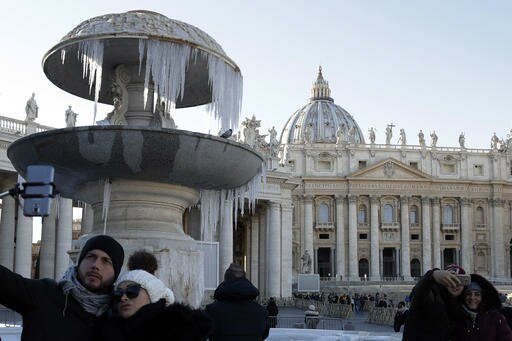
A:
<point x="465" y="280"/>
<point x="38" y="191"/>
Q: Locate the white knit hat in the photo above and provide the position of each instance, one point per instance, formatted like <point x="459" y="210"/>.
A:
<point x="156" y="288"/>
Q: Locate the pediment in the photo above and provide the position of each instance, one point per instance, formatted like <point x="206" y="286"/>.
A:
<point x="390" y="169"/>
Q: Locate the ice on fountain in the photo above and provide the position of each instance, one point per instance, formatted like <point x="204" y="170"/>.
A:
<point x="107" y="190"/>
<point x="90" y="53"/>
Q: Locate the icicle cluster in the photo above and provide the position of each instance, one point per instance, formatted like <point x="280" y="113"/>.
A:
<point x="107" y="190"/>
<point x="212" y="201"/>
<point x="166" y="63"/>
<point x="90" y="53"/>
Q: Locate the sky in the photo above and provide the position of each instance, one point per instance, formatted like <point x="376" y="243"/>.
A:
<point x="442" y="65"/>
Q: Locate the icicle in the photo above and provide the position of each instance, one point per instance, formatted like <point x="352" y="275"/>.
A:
<point x="142" y="47"/>
<point x="107" y="189"/>
<point x="90" y="53"/>
<point x="63" y="56"/>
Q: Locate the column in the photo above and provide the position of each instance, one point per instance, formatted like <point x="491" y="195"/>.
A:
<point x="254" y="249"/>
<point x="426" y="230"/>
<point x="374" y="239"/>
<point x="47" y="251"/>
<point x="353" y="264"/>
<point x="88" y="220"/>
<point x="466" y="235"/>
<point x="23" y="253"/>
<point x="498" y="249"/>
<point x="226" y="238"/>
<point x="247" y="248"/>
<point x="436" y="232"/>
<point x="405" y="252"/>
<point x="262" y="251"/>
<point x="64" y="236"/>
<point x="7" y="229"/>
<point x="308" y="228"/>
<point x="340" y="238"/>
<point x="274" y="251"/>
<point x="287" y="248"/>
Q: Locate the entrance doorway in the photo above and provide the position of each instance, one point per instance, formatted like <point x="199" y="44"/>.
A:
<point x="449" y="257"/>
<point x="324" y="261"/>
<point x="389" y="262"/>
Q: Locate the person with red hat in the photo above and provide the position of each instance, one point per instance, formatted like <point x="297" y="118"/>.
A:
<point x="435" y="303"/>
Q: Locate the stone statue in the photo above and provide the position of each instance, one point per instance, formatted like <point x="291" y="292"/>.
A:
<point x="371" y="135"/>
<point x="462" y="140"/>
<point x="31" y="108"/>
<point x="421" y="138"/>
<point x="494" y="141"/>
<point x="70" y="117"/>
<point x="341" y="133"/>
<point x="402" y="138"/>
<point x="274" y="144"/>
<point x="389" y="133"/>
<point x="352" y="135"/>
<point x="308" y="133"/>
<point x="433" y="137"/>
<point x="306" y="263"/>
<point x="249" y="131"/>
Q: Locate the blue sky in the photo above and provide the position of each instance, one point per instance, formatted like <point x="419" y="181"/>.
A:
<point x="442" y="65"/>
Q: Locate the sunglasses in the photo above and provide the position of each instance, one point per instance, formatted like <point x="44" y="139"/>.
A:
<point x="131" y="291"/>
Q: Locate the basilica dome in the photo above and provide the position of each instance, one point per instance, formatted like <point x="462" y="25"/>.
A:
<point x="318" y="121"/>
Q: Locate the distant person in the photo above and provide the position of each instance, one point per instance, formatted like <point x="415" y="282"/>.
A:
<point x="435" y="303"/>
<point x="75" y="307"/>
<point x="480" y="317"/>
<point x="311" y="317"/>
<point x="143" y="260"/>
<point x="272" y="311"/>
<point x="145" y="310"/>
<point x="235" y="314"/>
<point x="400" y="316"/>
<point x="506" y="309"/>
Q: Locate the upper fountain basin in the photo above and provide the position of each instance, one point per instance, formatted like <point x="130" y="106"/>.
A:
<point x="84" y="154"/>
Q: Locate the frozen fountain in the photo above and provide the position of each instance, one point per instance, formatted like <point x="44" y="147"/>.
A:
<point x="138" y="174"/>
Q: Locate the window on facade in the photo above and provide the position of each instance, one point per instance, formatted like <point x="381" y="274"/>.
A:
<point x="323" y="213"/>
<point x="480" y="216"/>
<point x="387" y="214"/>
<point x="415" y="236"/>
<point x="363" y="235"/>
<point x="364" y="267"/>
<point x="449" y="237"/>
<point x="447" y="214"/>
<point x="478" y="170"/>
<point x="362" y="164"/>
<point x="362" y="215"/>
<point x="447" y="168"/>
<point x="480" y="260"/>
<point x="415" y="268"/>
<point x="323" y="165"/>
<point x="323" y="236"/>
<point x="413" y="215"/>
<point x="413" y="165"/>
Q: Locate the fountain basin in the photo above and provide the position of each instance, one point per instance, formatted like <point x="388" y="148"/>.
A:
<point x="171" y="156"/>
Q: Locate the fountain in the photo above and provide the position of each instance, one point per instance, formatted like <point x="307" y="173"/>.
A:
<point x="138" y="174"/>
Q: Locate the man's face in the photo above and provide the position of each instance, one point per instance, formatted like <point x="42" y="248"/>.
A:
<point x="96" y="271"/>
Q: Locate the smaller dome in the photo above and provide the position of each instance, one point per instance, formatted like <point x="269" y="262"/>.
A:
<point x="318" y="121"/>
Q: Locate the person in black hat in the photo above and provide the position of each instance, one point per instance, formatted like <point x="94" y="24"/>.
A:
<point x="73" y="308"/>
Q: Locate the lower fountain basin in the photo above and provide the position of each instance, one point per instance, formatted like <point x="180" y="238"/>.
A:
<point x="179" y="157"/>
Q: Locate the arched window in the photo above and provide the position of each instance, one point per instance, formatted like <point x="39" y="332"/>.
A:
<point x="413" y="215"/>
<point x="362" y="215"/>
<point x="323" y="213"/>
<point x="415" y="268"/>
<point x="480" y="215"/>
<point x="387" y="215"/>
<point x="363" y="268"/>
<point x="447" y="214"/>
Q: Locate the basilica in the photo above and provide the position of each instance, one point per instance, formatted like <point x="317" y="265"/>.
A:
<point x="333" y="203"/>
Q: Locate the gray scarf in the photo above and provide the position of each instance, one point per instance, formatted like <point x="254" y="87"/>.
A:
<point x="92" y="303"/>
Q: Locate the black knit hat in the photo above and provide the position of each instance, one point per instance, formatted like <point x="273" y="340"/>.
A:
<point x="108" y="245"/>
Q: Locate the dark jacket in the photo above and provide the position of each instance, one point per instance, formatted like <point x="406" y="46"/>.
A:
<point x="399" y="320"/>
<point x="155" y="322"/>
<point x="272" y="308"/>
<point x="432" y="312"/>
<point x="489" y="323"/>
<point x="235" y="313"/>
<point x="47" y="313"/>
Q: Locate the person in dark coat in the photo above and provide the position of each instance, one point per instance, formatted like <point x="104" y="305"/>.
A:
<point x="272" y="311"/>
<point x="435" y="303"/>
<point x="235" y="314"/>
<point x="145" y="310"/>
<point x="75" y="307"/>
<point x="400" y="316"/>
<point x="480" y="317"/>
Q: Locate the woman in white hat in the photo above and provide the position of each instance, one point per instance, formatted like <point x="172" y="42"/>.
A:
<point x="145" y="310"/>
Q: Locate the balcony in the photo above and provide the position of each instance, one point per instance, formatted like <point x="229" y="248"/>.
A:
<point x="390" y="227"/>
<point x="450" y="227"/>
<point x="324" y="227"/>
